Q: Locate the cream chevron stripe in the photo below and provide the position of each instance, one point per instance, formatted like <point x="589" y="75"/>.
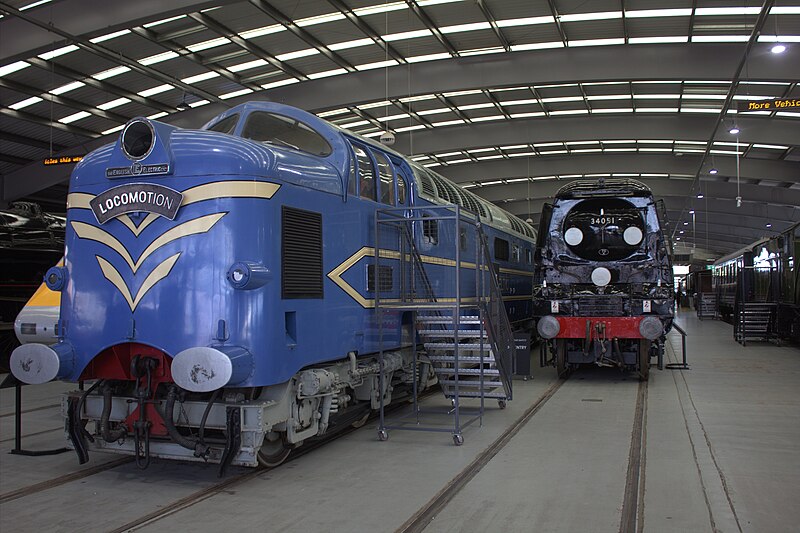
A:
<point x="335" y="275"/>
<point x="207" y="191"/>
<point x="158" y="273"/>
<point x="78" y="200"/>
<point x="93" y="233"/>
<point x="192" y="227"/>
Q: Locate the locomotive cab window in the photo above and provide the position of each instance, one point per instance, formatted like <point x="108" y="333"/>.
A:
<point x="386" y="178"/>
<point x="366" y="174"/>
<point x="284" y="131"/>
<point x="401" y="189"/>
<point x="226" y="125"/>
<point x="430" y="230"/>
<point x="501" y="249"/>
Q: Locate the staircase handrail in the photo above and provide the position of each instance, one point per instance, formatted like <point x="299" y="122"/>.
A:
<point x="501" y="335"/>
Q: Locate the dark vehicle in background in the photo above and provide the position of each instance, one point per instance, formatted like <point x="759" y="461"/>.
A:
<point x="603" y="286"/>
<point x="31" y="241"/>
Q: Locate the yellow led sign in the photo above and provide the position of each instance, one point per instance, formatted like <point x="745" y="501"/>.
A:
<point x="61" y="160"/>
<point x="768" y="105"/>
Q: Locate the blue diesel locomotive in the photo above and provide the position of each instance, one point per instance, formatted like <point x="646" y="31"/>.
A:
<point x="218" y="286"/>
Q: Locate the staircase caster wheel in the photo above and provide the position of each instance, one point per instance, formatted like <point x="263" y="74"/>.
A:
<point x="501" y="404"/>
<point x="458" y="439"/>
<point x="383" y="436"/>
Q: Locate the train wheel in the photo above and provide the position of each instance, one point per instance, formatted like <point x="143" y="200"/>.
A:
<point x="644" y="359"/>
<point x="361" y="421"/>
<point x="273" y="453"/>
<point x="561" y="357"/>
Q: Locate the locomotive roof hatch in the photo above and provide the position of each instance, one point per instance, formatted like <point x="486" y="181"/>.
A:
<point x="618" y="187"/>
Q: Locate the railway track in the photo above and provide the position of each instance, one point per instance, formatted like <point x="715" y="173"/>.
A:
<point x="632" y="509"/>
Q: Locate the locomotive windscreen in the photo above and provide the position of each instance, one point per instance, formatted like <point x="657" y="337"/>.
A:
<point x="603" y="229"/>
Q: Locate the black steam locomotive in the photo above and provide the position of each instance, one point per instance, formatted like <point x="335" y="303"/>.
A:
<point x="603" y="282"/>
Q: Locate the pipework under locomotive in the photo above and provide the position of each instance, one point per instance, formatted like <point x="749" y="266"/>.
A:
<point x="603" y="282"/>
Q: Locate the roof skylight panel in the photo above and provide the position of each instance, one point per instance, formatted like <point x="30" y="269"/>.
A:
<point x="163" y="21"/>
<point x="67" y="88"/>
<point x="58" y="52"/>
<point x="412" y="34"/>
<point x="200" y="77"/>
<point x="13" y="67"/>
<point x="155" y="90"/>
<point x="327" y="73"/>
<point x="113" y="103"/>
<point x="536" y="46"/>
<point x="248" y="65"/>
<point x="410" y="128"/>
<point x="280" y="83"/>
<point x="109" y="36"/>
<point x="25" y="103"/>
<point x="158" y="58"/>
<point x="612" y="110"/>
<point x="527" y="21"/>
<point x="597" y="42"/>
<point x="351" y="44"/>
<point x="333" y="112"/>
<point x="297" y="54"/>
<point x="720" y="38"/>
<point x="583" y="17"/>
<point x="377" y="64"/>
<point x="110" y="73"/>
<point x="75" y="116"/>
<point x="235" y="94"/>
<point x="658" y="40"/>
<point x="380" y="8"/>
<point x="460" y="28"/>
<point x="430" y="57"/>
<point x="206" y="45"/>
<point x="260" y="32"/>
<point x="320" y="19"/>
<point x="481" y="51"/>
<point x="722" y="11"/>
<point x="658" y="13"/>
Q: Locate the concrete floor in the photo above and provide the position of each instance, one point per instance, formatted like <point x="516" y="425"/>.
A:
<point x="722" y="443"/>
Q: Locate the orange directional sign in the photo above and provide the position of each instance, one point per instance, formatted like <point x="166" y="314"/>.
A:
<point x="788" y="104"/>
<point x="61" y="160"/>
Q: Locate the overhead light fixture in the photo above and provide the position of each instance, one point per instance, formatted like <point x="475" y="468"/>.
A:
<point x="183" y="106"/>
<point x="699" y="196"/>
<point x="734" y="130"/>
<point x="685" y="223"/>
<point x="778" y="48"/>
<point x="691" y="212"/>
<point x="713" y="171"/>
<point x="769" y="225"/>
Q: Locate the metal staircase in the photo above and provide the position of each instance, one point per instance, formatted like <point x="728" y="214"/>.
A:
<point x="463" y="326"/>
<point x="754" y="321"/>
<point x="475" y="373"/>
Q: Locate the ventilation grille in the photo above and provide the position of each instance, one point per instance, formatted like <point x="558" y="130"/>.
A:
<point x="385" y="283"/>
<point x="301" y="268"/>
